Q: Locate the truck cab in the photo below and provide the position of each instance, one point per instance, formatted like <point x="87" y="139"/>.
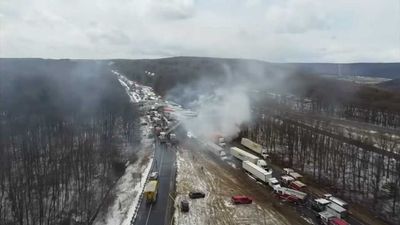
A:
<point x="261" y="163"/>
<point x="273" y="182"/>
<point x="286" y="180"/>
<point x="297" y="185"/>
<point x="173" y="138"/>
<point x="288" y="170"/>
<point x="325" y="217"/>
<point x="318" y="205"/>
<point x="265" y="154"/>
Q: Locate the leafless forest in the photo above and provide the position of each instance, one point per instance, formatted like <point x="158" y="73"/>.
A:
<point x="61" y="141"/>
<point x="66" y="127"/>
<point x="351" y="148"/>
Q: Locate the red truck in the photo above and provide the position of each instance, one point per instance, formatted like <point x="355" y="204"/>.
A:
<point x="337" y="221"/>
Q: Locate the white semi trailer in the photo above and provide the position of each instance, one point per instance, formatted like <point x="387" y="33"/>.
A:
<point x="290" y="194"/>
<point x="243" y="156"/>
<point x="254" y="147"/>
<point x="336" y="210"/>
<point x="257" y="172"/>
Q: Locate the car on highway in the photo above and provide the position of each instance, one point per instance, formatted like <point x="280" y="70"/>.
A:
<point x="241" y="199"/>
<point x="154" y="176"/>
<point x="196" y="194"/>
<point x="184" y="206"/>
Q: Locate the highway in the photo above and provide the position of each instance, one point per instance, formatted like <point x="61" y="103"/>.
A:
<point x="160" y="212"/>
<point x="303" y="209"/>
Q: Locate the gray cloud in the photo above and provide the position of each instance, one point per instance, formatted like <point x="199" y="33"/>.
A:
<point x="273" y="30"/>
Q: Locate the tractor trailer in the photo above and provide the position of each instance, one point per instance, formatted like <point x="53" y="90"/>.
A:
<point x="254" y="147"/>
<point x="290" y="194"/>
<point x="245" y="156"/>
<point x="336" y="210"/>
<point x="257" y="172"/>
<point x="150" y="191"/>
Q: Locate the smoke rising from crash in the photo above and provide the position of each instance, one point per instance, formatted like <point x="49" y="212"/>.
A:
<point x="223" y="101"/>
<point x="220" y="113"/>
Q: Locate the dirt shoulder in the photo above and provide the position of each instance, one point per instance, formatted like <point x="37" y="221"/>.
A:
<point x="200" y="170"/>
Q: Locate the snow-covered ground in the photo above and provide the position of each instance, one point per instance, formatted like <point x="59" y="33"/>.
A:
<point x="198" y="172"/>
<point x="135" y="91"/>
<point x="127" y="192"/>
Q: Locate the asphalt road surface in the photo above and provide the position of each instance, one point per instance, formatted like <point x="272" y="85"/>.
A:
<point x="160" y="212"/>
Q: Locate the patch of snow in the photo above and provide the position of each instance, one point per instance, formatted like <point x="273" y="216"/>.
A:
<point x="128" y="192"/>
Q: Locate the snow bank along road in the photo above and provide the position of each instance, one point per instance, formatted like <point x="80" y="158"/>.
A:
<point x="159" y="213"/>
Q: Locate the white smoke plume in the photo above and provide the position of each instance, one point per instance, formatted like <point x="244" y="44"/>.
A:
<point x="223" y="101"/>
<point x="220" y="112"/>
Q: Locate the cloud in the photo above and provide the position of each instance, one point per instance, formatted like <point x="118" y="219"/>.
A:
<point x="297" y="16"/>
<point x="272" y="30"/>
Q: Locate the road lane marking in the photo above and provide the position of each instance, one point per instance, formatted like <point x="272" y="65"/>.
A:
<point x="148" y="215"/>
<point x="170" y="185"/>
<point x="161" y="161"/>
<point x="159" y="174"/>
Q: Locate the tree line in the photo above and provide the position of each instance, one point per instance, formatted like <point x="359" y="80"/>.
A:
<point x="352" y="168"/>
<point x="61" y="134"/>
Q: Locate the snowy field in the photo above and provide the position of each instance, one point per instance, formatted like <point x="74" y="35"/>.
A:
<point x="196" y="171"/>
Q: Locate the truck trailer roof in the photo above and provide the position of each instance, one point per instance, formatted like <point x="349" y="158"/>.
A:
<point x="336" y="207"/>
<point x="299" y="184"/>
<point x="244" y="153"/>
<point x="288" y="170"/>
<point x="259" y="169"/>
<point x="295" y="175"/>
<point x="326" y="215"/>
<point x="151" y="186"/>
<point x="287" y="178"/>
<point x="338" y="201"/>
<point x="251" y="145"/>
<point x="322" y="201"/>
<point x="298" y="194"/>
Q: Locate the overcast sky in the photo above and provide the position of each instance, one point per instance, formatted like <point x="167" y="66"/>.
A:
<point x="272" y="30"/>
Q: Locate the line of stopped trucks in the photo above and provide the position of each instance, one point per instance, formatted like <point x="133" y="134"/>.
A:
<point x="289" y="187"/>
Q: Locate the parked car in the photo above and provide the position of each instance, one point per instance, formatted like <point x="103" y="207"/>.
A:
<point x="154" y="176"/>
<point x="196" y="194"/>
<point x="241" y="199"/>
<point x="184" y="206"/>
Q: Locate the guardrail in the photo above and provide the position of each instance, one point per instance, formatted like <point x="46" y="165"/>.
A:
<point x="141" y="193"/>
